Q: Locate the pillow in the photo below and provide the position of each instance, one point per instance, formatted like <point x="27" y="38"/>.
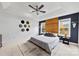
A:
<point x="49" y="35"/>
<point x="55" y="34"/>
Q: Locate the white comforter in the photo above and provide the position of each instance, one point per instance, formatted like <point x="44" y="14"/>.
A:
<point x="47" y="39"/>
<point x="50" y="41"/>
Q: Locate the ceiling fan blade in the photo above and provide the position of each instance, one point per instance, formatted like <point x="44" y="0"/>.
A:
<point x="43" y="11"/>
<point x="41" y="6"/>
<point x="32" y="7"/>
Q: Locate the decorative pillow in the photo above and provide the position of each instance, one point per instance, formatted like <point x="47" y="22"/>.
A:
<point x="49" y="35"/>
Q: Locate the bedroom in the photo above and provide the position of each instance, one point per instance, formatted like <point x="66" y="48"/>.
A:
<point x="18" y="24"/>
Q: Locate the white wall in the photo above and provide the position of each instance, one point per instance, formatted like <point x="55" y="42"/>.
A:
<point x="10" y="30"/>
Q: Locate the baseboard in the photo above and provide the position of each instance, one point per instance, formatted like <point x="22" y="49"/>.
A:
<point x="76" y="44"/>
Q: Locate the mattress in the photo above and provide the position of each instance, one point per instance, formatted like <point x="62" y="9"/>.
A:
<point x="47" y="43"/>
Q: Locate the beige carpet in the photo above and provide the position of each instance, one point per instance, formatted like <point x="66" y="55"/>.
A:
<point x="66" y="50"/>
<point x="29" y="49"/>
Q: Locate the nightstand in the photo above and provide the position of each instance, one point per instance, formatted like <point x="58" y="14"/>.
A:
<point x="66" y="41"/>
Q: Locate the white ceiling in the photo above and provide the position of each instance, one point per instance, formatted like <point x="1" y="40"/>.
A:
<point x="52" y="8"/>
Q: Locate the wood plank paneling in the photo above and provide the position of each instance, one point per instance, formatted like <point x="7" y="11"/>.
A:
<point x="52" y="25"/>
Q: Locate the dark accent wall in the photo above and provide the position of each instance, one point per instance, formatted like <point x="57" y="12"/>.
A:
<point x="40" y="27"/>
<point x="74" y="31"/>
<point x="78" y="28"/>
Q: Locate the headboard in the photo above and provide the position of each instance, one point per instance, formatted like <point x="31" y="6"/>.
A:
<point x="49" y="25"/>
<point x="52" y="25"/>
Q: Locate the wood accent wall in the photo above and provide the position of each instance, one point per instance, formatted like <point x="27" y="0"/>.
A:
<point x="52" y="25"/>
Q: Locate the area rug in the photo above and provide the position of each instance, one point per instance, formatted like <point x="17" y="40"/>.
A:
<point x="30" y="49"/>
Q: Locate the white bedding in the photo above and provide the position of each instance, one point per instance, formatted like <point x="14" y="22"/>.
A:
<point x="46" y="39"/>
<point x="45" y="42"/>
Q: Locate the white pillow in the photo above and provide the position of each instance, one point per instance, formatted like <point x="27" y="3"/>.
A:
<point x="55" y="34"/>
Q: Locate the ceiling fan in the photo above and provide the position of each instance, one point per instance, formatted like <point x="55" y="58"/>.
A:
<point x="37" y="9"/>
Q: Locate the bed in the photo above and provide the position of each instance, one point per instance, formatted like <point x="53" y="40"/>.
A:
<point x="45" y="42"/>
